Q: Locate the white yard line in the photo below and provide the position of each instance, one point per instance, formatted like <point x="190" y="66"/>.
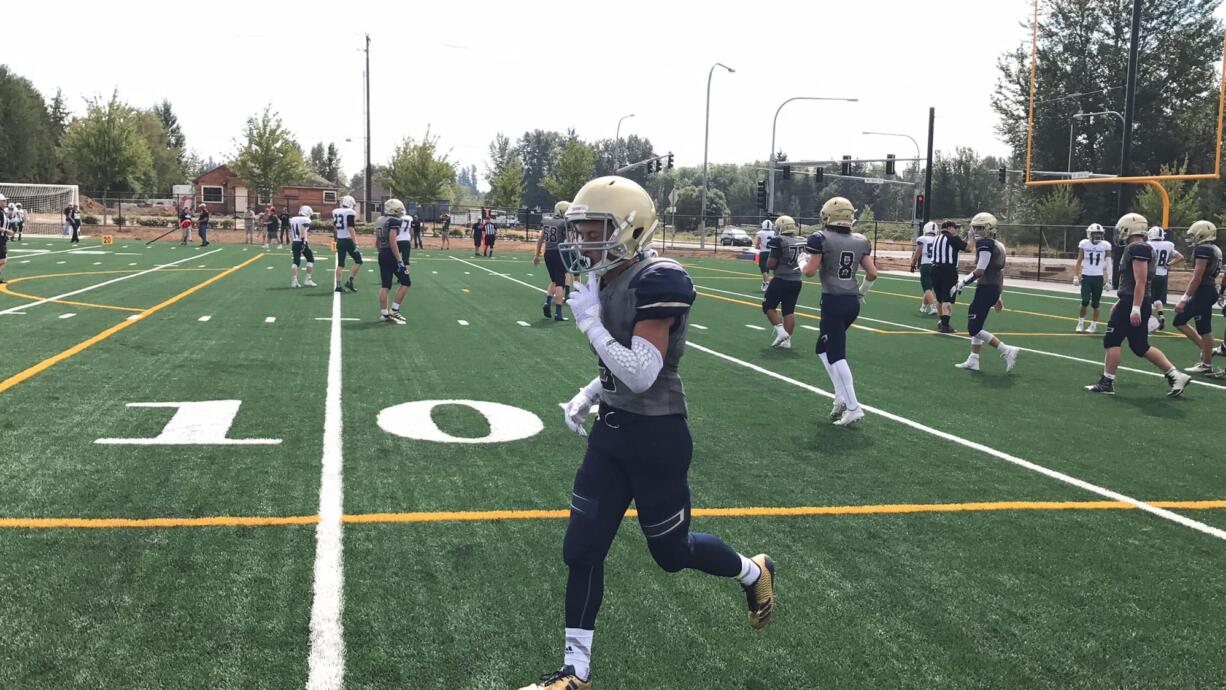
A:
<point x="204" y="318"/>
<point x="523" y="323"/>
<point x="270" y="319"/>
<point x="462" y="322"/>
<point x="69" y="315"/>
<point x="966" y="443"/>
<point x="756" y="328"/>
<point x="98" y="285"/>
<point x="326" y="662"/>
<point x="698" y="326"/>
<point x="1045" y="353"/>
<point x="35" y="253"/>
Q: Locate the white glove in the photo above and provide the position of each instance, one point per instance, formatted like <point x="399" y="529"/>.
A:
<point x="584" y="303"/>
<point x="576" y="411"/>
<point x="1221" y="299"/>
<point x="1076" y="281"/>
<point x="953" y="291"/>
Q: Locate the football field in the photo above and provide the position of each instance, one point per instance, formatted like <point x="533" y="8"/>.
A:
<point x="209" y="479"/>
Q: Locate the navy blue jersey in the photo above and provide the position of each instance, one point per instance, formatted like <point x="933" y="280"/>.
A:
<point x="1137" y="251"/>
<point x="1211" y="253"/>
<point x="996" y="260"/>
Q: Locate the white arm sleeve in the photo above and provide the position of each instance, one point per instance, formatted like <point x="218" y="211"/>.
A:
<point x="984" y="258"/>
<point x="636" y="366"/>
<point x="592" y="390"/>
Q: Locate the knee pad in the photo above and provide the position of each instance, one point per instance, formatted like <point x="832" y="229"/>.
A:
<point x="1138" y="346"/>
<point x="669" y="541"/>
<point x="765" y="309"/>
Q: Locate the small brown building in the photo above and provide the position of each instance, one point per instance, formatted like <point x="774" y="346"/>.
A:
<point x="225" y="193"/>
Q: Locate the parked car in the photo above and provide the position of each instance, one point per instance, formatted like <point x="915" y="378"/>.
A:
<point x="735" y="237"/>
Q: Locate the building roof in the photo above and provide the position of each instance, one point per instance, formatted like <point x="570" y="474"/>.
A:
<point x="316" y="181"/>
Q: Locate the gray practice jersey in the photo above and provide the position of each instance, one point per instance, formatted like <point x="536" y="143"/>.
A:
<point x="996" y="264"/>
<point x="786" y="250"/>
<point x="841" y="254"/>
<point x="554" y="230"/>
<point x="1137" y="251"/>
<point x="654" y="288"/>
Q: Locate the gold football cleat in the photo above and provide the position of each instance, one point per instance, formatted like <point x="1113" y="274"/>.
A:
<point x="761" y="594"/>
<point x="563" y="679"/>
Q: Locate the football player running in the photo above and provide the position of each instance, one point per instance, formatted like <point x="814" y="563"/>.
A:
<point x="392" y="264"/>
<point x="1130" y="314"/>
<point x="343" y="220"/>
<point x="5" y="233"/>
<point x="300" y="245"/>
<point x="922" y="258"/>
<point x="553" y="232"/>
<point x="1092" y="269"/>
<point x="1201" y="295"/>
<point x="1165" y="257"/>
<point x="634" y="309"/>
<point x="838" y="253"/>
<point x="784" y="290"/>
<point x="990" y="272"/>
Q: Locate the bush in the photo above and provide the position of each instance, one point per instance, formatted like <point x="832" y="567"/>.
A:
<point x="89" y="220"/>
<point x="121" y="221"/>
<point x="226" y="225"/>
<point x="152" y="222"/>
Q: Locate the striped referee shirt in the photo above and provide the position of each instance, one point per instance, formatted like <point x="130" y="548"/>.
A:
<point x="945" y="249"/>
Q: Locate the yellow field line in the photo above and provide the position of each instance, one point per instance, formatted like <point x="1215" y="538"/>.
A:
<point x="94" y="340"/>
<point x="800" y="314"/>
<point x="502" y="515"/>
<point x="6" y="289"/>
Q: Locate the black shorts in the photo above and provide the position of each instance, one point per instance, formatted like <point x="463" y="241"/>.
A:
<point x="944" y="278"/>
<point x="555" y="266"/>
<point x="1120" y="328"/>
<point x="270" y="230"/>
<point x="839" y="312"/>
<point x="477" y="240"/>
<point x="345" y="246"/>
<point x="4" y="252"/>
<point x="489" y="240"/>
<point x="387" y="271"/>
<point x="1200" y="309"/>
<point x="782" y="292"/>
<point x="301" y="248"/>
<point x="764" y="260"/>
<point x="986" y="297"/>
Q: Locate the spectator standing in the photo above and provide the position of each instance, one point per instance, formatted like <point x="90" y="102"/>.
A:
<point x="478" y="237"/>
<point x="76" y="224"/>
<point x="67" y="219"/>
<point x="185" y="224"/>
<point x="284" y="237"/>
<point x="446" y="231"/>
<point x="271" y="223"/>
<point x="202" y="225"/>
<point x="249" y="225"/>
<point x="417" y="232"/>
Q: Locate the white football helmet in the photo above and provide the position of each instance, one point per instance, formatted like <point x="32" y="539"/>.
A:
<point x="629" y="218"/>
<point x="930" y="228"/>
<point x="348" y="202"/>
<point x="1095" y="229"/>
<point x="1155" y="233"/>
<point x="306" y="211"/>
<point x="393" y="208"/>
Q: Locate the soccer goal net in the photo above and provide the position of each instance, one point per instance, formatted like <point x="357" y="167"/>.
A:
<point x="40" y="199"/>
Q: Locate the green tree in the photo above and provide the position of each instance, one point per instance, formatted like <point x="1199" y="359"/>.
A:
<point x="166" y="169"/>
<point x="58" y="112"/>
<point x="689" y="203"/>
<point x="1059" y="207"/>
<point x="105" y="151"/>
<point x="27" y="133"/>
<point x="1184" y="196"/>
<point x="170" y="121"/>
<point x="575" y="167"/>
<point x="507" y="189"/>
<point x="538" y="150"/>
<point x="418" y="172"/>
<point x="268" y="158"/>
<point x="326" y="162"/>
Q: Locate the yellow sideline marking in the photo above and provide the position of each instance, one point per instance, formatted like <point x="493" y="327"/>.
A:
<point x="94" y="340"/>
<point x="6" y="287"/>
<point x="501" y="515"/>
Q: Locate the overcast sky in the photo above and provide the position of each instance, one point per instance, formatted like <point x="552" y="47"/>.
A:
<point x="470" y="69"/>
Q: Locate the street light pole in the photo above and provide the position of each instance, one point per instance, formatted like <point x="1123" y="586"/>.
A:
<point x="770" y="200"/>
<point x="916" y="222"/>
<point x="617" y="138"/>
<point x="706" y="138"/>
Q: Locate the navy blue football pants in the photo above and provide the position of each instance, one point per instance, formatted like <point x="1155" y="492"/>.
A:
<point x="644" y="459"/>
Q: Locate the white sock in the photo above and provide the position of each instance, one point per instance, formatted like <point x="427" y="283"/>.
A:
<point x="383" y="312"/>
<point x="395" y="306"/>
<point x="843" y="374"/>
<point x="780" y="329"/>
<point x="579" y="651"/>
<point x="973" y="358"/>
<point x="838" y="385"/>
<point x="1109" y="377"/>
<point x="750" y="572"/>
<point x="1081" y="323"/>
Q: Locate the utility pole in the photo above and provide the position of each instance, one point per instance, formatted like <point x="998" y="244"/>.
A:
<point x="1130" y="105"/>
<point x="932" y="116"/>
<point x="367" y="174"/>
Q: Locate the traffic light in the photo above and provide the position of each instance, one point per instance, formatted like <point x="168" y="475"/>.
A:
<point x="889" y="164"/>
<point x="670" y="161"/>
<point x="762" y="195"/>
<point x="845" y="167"/>
<point x="787" y="172"/>
<point x="1002" y="174"/>
<point x="819" y="174"/>
<point x="919" y="205"/>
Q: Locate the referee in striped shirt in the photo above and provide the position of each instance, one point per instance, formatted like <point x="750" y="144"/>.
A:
<point x="945" y="270"/>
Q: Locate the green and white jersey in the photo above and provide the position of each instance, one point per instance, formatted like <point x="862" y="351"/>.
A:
<point x="926" y="243"/>
<point x="299" y="227"/>
<point x="1164" y="251"/>
<point x="406" y="229"/>
<point x="343" y="219"/>
<point x="1094" y="256"/>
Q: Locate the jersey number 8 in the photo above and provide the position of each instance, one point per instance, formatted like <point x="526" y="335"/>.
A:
<point x="847" y="266"/>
